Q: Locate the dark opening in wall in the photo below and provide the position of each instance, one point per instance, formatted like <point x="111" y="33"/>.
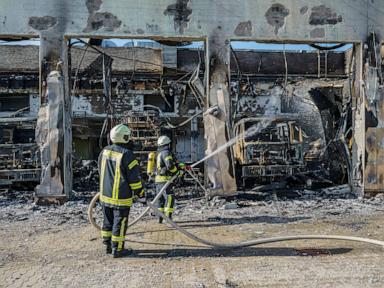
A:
<point x="10" y="102"/>
<point x="142" y="84"/>
<point x="299" y="94"/>
<point x="160" y="102"/>
<point x="329" y="101"/>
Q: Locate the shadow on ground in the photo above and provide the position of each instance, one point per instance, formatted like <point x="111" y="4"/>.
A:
<point x="239" y="252"/>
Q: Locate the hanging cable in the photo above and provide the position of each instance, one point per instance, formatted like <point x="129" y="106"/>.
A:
<point x="167" y="120"/>
<point x="319" y="47"/>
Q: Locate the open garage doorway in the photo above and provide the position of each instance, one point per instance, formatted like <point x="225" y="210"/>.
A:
<point x="302" y="94"/>
<point x="155" y="87"/>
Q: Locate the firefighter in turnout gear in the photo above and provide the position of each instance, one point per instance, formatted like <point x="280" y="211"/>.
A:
<point x="166" y="167"/>
<point x="120" y="183"/>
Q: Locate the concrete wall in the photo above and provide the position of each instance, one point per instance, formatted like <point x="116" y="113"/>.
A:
<point x="299" y="20"/>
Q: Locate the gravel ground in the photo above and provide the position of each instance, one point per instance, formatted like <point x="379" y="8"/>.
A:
<point x="56" y="247"/>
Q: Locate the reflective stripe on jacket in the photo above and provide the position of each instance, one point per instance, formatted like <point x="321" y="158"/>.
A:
<point x="165" y="165"/>
<point x="119" y="176"/>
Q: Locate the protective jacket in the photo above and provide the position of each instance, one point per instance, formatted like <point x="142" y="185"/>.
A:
<point x="119" y="176"/>
<point x="165" y="165"/>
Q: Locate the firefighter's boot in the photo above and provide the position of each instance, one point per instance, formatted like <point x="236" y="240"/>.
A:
<point x="108" y="248"/>
<point x="122" y="253"/>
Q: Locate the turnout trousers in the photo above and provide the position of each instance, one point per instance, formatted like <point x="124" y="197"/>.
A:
<point x="114" y="226"/>
<point x="166" y="203"/>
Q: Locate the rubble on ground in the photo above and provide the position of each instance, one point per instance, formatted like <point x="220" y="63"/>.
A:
<point x="85" y="175"/>
<point x="20" y="206"/>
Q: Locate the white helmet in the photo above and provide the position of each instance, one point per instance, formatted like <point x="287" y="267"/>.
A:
<point x="120" y="134"/>
<point x="163" y="140"/>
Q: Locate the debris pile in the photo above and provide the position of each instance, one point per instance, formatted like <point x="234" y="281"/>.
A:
<point x="85" y="175"/>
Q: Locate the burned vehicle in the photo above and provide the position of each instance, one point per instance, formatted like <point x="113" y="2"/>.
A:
<point x="19" y="154"/>
<point x="268" y="149"/>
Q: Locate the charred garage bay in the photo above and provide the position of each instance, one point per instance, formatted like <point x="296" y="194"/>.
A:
<point x="290" y="111"/>
<point x="224" y="130"/>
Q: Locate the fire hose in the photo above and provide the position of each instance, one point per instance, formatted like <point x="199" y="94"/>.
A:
<point x="226" y="245"/>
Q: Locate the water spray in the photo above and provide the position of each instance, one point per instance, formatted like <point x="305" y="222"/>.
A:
<point x="151" y="206"/>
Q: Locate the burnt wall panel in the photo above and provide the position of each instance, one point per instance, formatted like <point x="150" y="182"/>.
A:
<point x="25" y="59"/>
<point x="125" y="59"/>
<point x="19" y="58"/>
<point x="272" y="63"/>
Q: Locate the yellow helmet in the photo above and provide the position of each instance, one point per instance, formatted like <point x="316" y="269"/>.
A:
<point x="120" y="134"/>
<point x="163" y="140"/>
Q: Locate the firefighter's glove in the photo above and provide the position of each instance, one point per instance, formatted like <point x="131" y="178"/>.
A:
<point x="184" y="167"/>
<point x="140" y="197"/>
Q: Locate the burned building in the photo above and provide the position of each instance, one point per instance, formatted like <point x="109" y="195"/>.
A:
<point x="295" y="109"/>
<point x="137" y="92"/>
<point x="315" y="114"/>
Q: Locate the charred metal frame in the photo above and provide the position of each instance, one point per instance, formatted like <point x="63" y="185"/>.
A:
<point x="305" y="21"/>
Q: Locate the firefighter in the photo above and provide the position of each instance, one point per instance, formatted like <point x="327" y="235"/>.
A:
<point x="119" y="183"/>
<point x="166" y="167"/>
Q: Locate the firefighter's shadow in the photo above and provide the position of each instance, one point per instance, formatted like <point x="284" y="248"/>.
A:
<point x="238" y="252"/>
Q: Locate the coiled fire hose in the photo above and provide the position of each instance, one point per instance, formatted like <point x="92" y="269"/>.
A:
<point x="146" y="210"/>
<point x="226" y="245"/>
